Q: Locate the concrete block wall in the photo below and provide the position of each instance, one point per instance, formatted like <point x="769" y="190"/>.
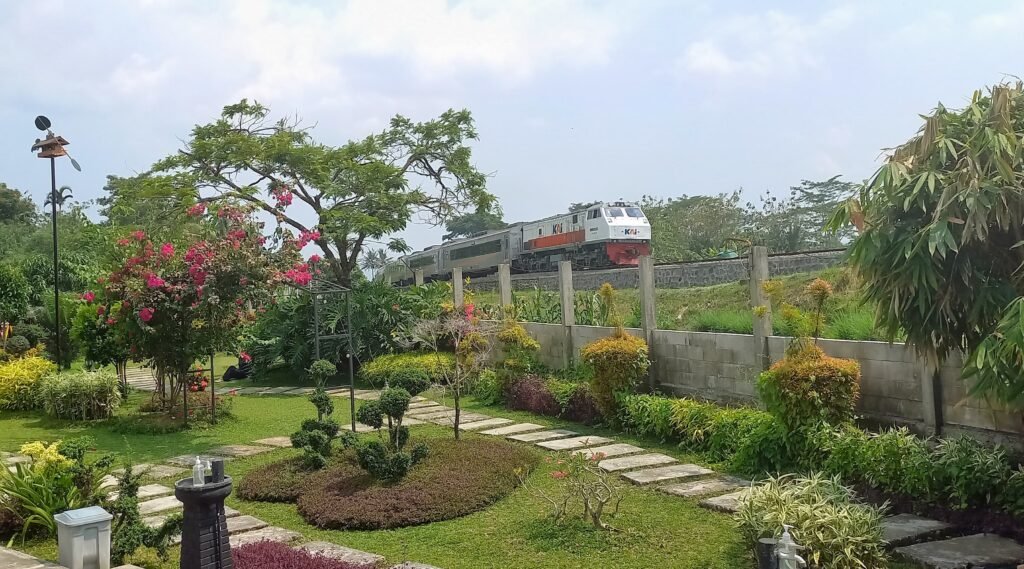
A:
<point x="719" y="367"/>
<point x="962" y="413"/>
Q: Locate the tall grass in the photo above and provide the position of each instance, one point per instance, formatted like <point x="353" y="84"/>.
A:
<point x="729" y="321"/>
<point x="853" y="324"/>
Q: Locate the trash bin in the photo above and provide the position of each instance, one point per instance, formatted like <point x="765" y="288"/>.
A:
<point x="83" y="538"/>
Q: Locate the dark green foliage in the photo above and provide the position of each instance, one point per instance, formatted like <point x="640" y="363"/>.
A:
<point x="17" y="345"/>
<point x="323" y="402"/>
<point x="457" y="478"/>
<point x="370" y="414"/>
<point x="45" y="316"/>
<point x="972" y="474"/>
<point x="647" y="416"/>
<point x="376" y="458"/>
<point x="394" y="402"/>
<point x="128" y="531"/>
<point x="315" y="446"/>
<point x="34" y="333"/>
<point x="14" y="292"/>
<point x="386" y="459"/>
<point x="320" y="371"/>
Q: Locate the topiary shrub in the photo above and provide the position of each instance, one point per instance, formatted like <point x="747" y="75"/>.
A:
<point x="385" y="459"/>
<point x="835" y="530"/>
<point x="128" y="531"/>
<point x="80" y="395"/>
<point x="18" y="382"/>
<point x="807" y="387"/>
<point x="276" y="555"/>
<point x="17" y="345"/>
<point x="320" y="371"/>
<point x="414" y="371"/>
<point x="315" y="435"/>
<point x="619" y="362"/>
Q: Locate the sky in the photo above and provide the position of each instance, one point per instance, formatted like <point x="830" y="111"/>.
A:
<point x="573" y="100"/>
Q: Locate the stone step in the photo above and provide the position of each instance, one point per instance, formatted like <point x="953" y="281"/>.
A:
<point x="368" y="396"/>
<point x="342" y="553"/>
<point x="277" y="390"/>
<point x="147" y="491"/>
<point x="968" y="552"/>
<point x="416" y="405"/>
<point x="236" y="451"/>
<point x="542" y="435"/>
<point x="302" y="391"/>
<point x="8" y="458"/>
<point x="485" y="424"/>
<point x="281" y="442"/>
<point x="664" y="473"/>
<point x="272" y="533"/>
<point x="448" y="420"/>
<point x="575" y="442"/>
<point x="907" y="529"/>
<point x="11" y="559"/>
<point x="158" y="505"/>
<point x="189" y="460"/>
<point x="236" y="525"/>
<point x="609" y="451"/>
<point x="637" y="461"/>
<point x="430" y="414"/>
<point x="726" y="503"/>
<point x="513" y="429"/>
<point x="158" y="520"/>
<point x="704" y="488"/>
<point x="155" y="470"/>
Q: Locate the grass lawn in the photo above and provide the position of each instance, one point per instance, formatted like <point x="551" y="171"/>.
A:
<point x="653" y="530"/>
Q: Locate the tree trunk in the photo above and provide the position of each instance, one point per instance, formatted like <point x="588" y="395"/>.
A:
<point x="458" y="412"/>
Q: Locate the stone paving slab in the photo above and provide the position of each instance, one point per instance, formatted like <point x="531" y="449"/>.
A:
<point x="674" y="472"/>
<point x="276" y="390"/>
<point x="158" y="505"/>
<point x="371" y="396"/>
<point x="464" y="419"/>
<point x="280" y="442"/>
<point x="513" y="429"/>
<point x="11" y="559"/>
<point x="409" y="421"/>
<point x="9" y="458"/>
<point x="237" y="524"/>
<point x="302" y="391"/>
<point x="147" y="491"/>
<point x="542" y="435"/>
<point x="575" y="442"/>
<point x="905" y="529"/>
<point x="158" y="520"/>
<point x="704" y="488"/>
<point x="237" y="451"/>
<point x="972" y="551"/>
<point x="363" y="428"/>
<point x="727" y="503"/>
<point x="638" y="461"/>
<point x="608" y="451"/>
<point x="432" y="414"/>
<point x="341" y="553"/>
<point x="155" y="470"/>
<point x="484" y="424"/>
<point x="417" y="405"/>
<point x="266" y="534"/>
<point x="418" y="399"/>
<point x="189" y="460"/>
<point x="247" y="390"/>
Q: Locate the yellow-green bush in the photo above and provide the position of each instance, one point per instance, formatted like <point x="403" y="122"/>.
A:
<point x="520" y="350"/>
<point x="413" y="371"/>
<point x="18" y="379"/>
<point x="619" y="362"/>
<point x="807" y="387"/>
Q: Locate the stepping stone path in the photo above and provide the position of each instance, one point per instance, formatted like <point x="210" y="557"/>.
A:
<point x="727" y="503"/>
<point x="574" y="442"/>
<point x="513" y="429"/>
<point x="236" y="451"/>
<point x="905" y="529"/>
<point x="542" y="435"/>
<point x="266" y="534"/>
<point x="280" y="442"/>
<point x="147" y="491"/>
<point x="341" y="553"/>
<point x="651" y="475"/>
<point x="157" y="505"/>
<point x="609" y="451"/>
<point x="701" y="488"/>
<point x="638" y="461"/>
<point x="190" y="459"/>
<point x="980" y="550"/>
<point x="484" y="424"/>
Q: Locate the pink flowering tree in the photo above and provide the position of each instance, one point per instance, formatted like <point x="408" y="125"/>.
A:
<point x="176" y="304"/>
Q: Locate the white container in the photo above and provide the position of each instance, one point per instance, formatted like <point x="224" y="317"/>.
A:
<point x="83" y="538"/>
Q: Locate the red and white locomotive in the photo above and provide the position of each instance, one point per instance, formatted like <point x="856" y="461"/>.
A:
<point x="604" y="235"/>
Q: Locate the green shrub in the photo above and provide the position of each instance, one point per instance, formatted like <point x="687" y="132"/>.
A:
<point x="385" y="459"/>
<point x="129" y="532"/>
<point x="34" y="333"/>
<point x="488" y="389"/>
<point x="518" y="348"/>
<point x="145" y="557"/>
<point x="730" y="428"/>
<point x="726" y="321"/>
<point x="896" y="461"/>
<point x="835" y="531"/>
<point x="320" y="371"/>
<point x="1011" y="498"/>
<point x="807" y="387"/>
<point x="18" y="382"/>
<point x="17" y="345"/>
<point x="692" y="421"/>
<point x="414" y="371"/>
<point x="846" y="447"/>
<point x="80" y="395"/>
<point x="768" y="447"/>
<point x="853" y="325"/>
<point x="647" y="416"/>
<point x="619" y="362"/>
<point x="14" y="293"/>
<point x="971" y="473"/>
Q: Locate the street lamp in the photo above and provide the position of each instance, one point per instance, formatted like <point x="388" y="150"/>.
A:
<point x="52" y="147"/>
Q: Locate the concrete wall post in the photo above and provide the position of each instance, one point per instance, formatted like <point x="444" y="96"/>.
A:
<point x="505" y="284"/>
<point x="760" y="304"/>
<point x="648" y="314"/>
<point x="457" y="292"/>
<point x="418" y="275"/>
<point x="567" y="297"/>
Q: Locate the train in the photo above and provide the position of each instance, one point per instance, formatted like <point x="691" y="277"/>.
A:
<point x="601" y="236"/>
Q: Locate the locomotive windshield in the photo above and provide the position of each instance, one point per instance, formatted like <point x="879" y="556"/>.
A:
<point x="634" y="212"/>
<point x="615" y="212"/>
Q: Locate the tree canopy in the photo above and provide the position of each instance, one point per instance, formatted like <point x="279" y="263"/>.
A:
<point x="469" y="223"/>
<point x="16" y="207"/>
<point x="942" y="240"/>
<point x="352" y="194"/>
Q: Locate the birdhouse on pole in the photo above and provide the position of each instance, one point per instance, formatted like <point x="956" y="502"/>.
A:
<point x="50" y="147"/>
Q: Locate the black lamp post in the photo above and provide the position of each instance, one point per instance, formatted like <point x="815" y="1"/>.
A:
<point x="52" y="147"/>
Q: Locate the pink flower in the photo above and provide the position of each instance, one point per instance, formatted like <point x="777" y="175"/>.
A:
<point x="469" y="308"/>
<point x="89" y="296"/>
<point x="153" y="281"/>
<point x="245" y="357"/>
<point x="314" y="258"/>
<point x="197" y="210"/>
<point x="146" y="314"/>
<point x="139" y="235"/>
<point x="123" y="242"/>
<point x="559" y="474"/>
<point x="167" y="250"/>
<point x="111" y="321"/>
<point x="101" y="310"/>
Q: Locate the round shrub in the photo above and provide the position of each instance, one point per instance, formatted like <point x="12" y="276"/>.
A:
<point x="17" y="345"/>
<point x="34" y="333"/>
<point x="455" y="479"/>
<point x="619" y="362"/>
<point x="807" y="387"/>
<point x="518" y="348"/>
<point x="276" y="555"/>
<point x="415" y="372"/>
<point x="582" y="407"/>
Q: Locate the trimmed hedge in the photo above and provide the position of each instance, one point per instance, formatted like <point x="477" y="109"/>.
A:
<point x="456" y="478"/>
<point x="80" y="395"/>
<point x="276" y="555"/>
<point x="619" y="362"/>
<point x="808" y="387"/>
<point x="554" y="398"/>
<point x="19" y="379"/>
<point x="413" y="371"/>
<point x="275" y="482"/>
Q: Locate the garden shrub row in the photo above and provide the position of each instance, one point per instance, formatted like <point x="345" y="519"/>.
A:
<point x="404" y="369"/>
<point x="80" y="395"/>
<point x="19" y="380"/>
<point x="553" y="397"/>
<point x="959" y="472"/>
<point x="276" y="555"/>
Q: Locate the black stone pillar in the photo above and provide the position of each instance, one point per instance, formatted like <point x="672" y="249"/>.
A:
<point x="204" y="533"/>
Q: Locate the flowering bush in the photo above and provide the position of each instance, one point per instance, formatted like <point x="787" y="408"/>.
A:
<point x="176" y="305"/>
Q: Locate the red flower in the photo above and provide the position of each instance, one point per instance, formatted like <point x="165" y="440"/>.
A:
<point x="139" y="235"/>
<point x="146" y="314"/>
<point x="111" y="321"/>
<point x="89" y="296"/>
<point x="245" y="357"/>
<point x="167" y="250"/>
<point x="123" y="242"/>
<point x="469" y="308"/>
<point x="100" y="310"/>
<point x="314" y="258"/>
<point x="153" y="281"/>
<point x="197" y="210"/>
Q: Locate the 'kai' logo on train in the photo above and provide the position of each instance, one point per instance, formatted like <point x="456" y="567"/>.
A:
<point x="631" y="231"/>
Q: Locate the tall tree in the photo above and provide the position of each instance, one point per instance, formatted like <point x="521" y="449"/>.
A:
<point x="469" y="223"/>
<point x="16" y="207"/>
<point x="942" y="241"/>
<point x="798" y="223"/>
<point x="363" y="190"/>
<point x="690" y="227"/>
<point x="374" y="260"/>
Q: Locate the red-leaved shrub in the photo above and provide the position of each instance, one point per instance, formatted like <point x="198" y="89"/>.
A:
<point x="531" y="393"/>
<point x="275" y="555"/>
<point x="582" y="407"/>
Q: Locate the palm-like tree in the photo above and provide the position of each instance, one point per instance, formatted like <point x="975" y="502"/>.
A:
<point x="63" y="194"/>
<point x="374" y="260"/>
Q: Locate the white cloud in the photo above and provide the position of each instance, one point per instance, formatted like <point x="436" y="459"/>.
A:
<point x="761" y="45"/>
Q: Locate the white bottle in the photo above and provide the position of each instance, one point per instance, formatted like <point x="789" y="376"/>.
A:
<point x="198" y="473"/>
<point x="786" y="551"/>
